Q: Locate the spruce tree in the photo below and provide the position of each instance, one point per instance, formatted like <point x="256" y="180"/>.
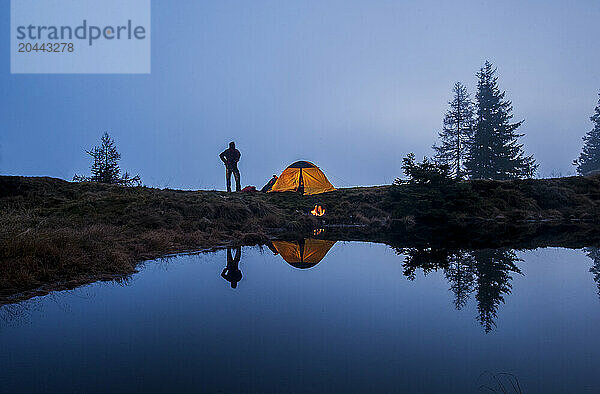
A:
<point x="494" y="150"/>
<point x="589" y="159"/>
<point x="456" y="132"/>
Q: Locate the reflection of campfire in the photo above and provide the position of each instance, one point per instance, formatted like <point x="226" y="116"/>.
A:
<point x="318" y="231"/>
<point x="318" y="211"/>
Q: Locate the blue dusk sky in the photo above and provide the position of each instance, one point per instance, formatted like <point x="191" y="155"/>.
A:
<point x="351" y="85"/>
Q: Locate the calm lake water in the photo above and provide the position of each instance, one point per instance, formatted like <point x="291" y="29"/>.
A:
<point x="365" y="318"/>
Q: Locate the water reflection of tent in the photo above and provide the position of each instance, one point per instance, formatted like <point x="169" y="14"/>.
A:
<point x="305" y="253"/>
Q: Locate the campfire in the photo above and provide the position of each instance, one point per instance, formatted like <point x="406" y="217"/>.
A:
<point x="318" y="210"/>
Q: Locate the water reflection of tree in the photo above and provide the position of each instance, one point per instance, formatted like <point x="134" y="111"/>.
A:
<point x="461" y="276"/>
<point x="492" y="269"/>
<point x="594" y="254"/>
<point x="485" y="272"/>
<point x="15" y="314"/>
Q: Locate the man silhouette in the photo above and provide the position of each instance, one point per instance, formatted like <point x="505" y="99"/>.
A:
<point x="231" y="272"/>
<point x="230" y="158"/>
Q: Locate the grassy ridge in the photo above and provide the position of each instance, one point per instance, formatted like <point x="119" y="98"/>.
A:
<point x="558" y="199"/>
<point x="53" y="231"/>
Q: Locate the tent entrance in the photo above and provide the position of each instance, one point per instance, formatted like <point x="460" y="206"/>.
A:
<point x="301" y="183"/>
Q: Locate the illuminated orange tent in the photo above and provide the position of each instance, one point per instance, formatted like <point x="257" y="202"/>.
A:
<point x="304" y="253"/>
<point x="303" y="176"/>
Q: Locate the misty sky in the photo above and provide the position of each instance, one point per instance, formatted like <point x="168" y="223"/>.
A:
<point x="351" y="86"/>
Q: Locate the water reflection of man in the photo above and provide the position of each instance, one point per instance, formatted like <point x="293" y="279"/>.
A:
<point x="231" y="272"/>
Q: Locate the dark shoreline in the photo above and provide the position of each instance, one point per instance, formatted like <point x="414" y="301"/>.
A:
<point x="58" y="235"/>
<point x="523" y="238"/>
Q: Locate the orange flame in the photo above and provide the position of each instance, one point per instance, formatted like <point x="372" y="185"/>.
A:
<point x="318" y="211"/>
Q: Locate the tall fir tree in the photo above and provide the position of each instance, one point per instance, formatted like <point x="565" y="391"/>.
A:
<point x="589" y="159"/>
<point x="456" y="133"/>
<point x="494" y="150"/>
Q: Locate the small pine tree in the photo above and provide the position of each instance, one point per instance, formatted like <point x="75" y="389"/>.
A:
<point x="105" y="168"/>
<point x="456" y="132"/>
<point x="425" y="173"/>
<point x="589" y="159"/>
<point x="105" y="165"/>
<point x="494" y="150"/>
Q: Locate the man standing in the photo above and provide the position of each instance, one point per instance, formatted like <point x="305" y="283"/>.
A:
<point x="231" y="157"/>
